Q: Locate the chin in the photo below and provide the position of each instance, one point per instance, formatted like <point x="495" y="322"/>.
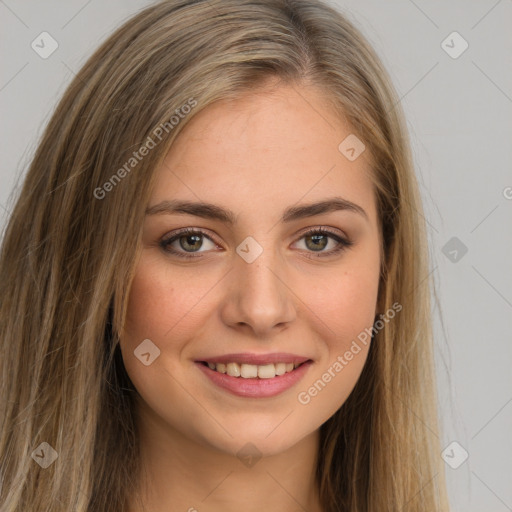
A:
<point x="264" y="437"/>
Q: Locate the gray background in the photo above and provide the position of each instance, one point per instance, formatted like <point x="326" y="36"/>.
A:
<point x="459" y="116"/>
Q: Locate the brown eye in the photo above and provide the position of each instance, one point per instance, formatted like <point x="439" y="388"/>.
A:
<point x="317" y="240"/>
<point x="187" y="242"/>
<point x="190" y="242"/>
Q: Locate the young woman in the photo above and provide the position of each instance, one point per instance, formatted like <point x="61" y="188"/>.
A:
<point x="213" y="282"/>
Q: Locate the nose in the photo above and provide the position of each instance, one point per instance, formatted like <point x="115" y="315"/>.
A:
<point x="259" y="300"/>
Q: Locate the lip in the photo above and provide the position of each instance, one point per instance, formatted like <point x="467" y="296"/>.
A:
<point x="258" y="359"/>
<point x="256" y="387"/>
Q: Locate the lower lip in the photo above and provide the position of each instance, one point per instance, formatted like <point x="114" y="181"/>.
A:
<point x="256" y="388"/>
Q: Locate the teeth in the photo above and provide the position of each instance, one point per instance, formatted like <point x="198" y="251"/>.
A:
<point x="252" y="371"/>
<point x="233" y="370"/>
<point x="249" y="371"/>
<point x="280" y="368"/>
<point x="266" y="372"/>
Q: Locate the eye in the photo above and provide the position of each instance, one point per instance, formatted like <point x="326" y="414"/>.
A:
<point x="186" y="242"/>
<point x="316" y="240"/>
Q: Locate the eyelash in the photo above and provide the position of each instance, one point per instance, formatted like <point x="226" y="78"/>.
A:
<point x="343" y="243"/>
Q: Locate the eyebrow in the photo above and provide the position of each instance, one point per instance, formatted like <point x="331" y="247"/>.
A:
<point x="212" y="211"/>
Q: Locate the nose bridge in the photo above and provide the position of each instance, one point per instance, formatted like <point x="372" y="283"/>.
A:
<point x="259" y="297"/>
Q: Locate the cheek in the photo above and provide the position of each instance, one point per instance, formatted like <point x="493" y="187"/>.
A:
<point x="345" y="301"/>
<point x="161" y="303"/>
<point x="349" y="315"/>
<point x="163" y="306"/>
<point x="343" y="308"/>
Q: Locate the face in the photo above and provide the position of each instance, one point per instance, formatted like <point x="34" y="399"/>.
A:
<point x="259" y="284"/>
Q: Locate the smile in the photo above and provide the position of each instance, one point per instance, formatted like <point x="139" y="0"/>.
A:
<point x="254" y="380"/>
<point x="252" y="371"/>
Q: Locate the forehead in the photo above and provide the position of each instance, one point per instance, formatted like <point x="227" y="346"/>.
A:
<point x="277" y="145"/>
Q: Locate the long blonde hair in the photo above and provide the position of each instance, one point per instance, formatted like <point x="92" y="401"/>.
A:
<point x="69" y="249"/>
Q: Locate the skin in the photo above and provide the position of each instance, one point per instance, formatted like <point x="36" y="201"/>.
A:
<point x="255" y="156"/>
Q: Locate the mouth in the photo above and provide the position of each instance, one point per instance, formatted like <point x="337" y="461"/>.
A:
<point x="253" y="376"/>
<point x="252" y="371"/>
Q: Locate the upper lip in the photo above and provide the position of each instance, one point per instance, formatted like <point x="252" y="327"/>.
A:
<point x="256" y="359"/>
